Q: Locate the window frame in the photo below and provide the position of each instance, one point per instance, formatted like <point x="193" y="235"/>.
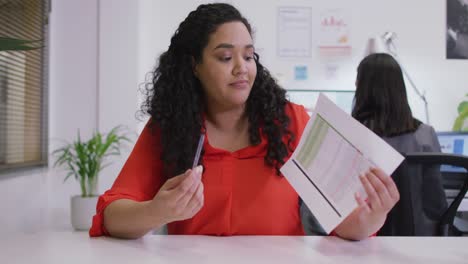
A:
<point x="43" y="144"/>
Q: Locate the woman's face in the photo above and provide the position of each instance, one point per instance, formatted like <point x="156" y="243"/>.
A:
<point x="227" y="70"/>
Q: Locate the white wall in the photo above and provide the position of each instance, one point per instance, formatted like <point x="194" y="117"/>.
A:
<point x="93" y="69"/>
<point x="24" y="201"/>
<point x="419" y="24"/>
<point x="99" y="82"/>
<point x="102" y="49"/>
<point x="34" y="200"/>
<point x="73" y="91"/>
<point x="118" y="75"/>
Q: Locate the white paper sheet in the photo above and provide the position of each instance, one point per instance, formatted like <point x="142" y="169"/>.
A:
<point x="294" y="31"/>
<point x="324" y="169"/>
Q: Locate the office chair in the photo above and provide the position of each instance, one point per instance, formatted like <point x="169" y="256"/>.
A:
<point x="422" y="209"/>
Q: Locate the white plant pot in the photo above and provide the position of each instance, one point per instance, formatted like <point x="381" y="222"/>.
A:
<point x="82" y="211"/>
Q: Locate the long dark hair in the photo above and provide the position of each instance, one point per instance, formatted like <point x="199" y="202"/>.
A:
<point x="175" y="97"/>
<point x="380" y="102"/>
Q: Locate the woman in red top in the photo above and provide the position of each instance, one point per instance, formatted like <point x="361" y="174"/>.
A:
<point x="210" y="81"/>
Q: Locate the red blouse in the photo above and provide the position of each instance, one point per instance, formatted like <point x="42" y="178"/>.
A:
<point x="243" y="196"/>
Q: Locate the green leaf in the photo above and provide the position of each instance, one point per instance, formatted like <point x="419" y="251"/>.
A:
<point x="460" y="121"/>
<point x="85" y="159"/>
<point x="68" y="176"/>
<point x="462" y="106"/>
<point x="19" y="44"/>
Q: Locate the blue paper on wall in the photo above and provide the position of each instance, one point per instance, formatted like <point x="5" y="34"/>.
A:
<point x="300" y="73"/>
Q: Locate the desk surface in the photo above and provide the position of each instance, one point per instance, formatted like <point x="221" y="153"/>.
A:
<point x="76" y="247"/>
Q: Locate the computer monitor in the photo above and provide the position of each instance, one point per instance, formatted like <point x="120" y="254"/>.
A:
<point x="453" y="143"/>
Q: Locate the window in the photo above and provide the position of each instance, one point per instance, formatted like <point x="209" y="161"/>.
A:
<point x="23" y="83"/>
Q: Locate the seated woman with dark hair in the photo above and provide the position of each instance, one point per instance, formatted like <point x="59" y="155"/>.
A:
<point x="381" y="104"/>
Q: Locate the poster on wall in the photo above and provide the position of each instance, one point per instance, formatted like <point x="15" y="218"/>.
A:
<point x="457" y="29"/>
<point x="294" y="31"/>
<point x="334" y="33"/>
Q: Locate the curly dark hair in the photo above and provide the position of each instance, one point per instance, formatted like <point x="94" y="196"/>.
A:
<point x="174" y="98"/>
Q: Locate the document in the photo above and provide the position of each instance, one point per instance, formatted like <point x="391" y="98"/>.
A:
<point x="333" y="151"/>
<point x="294" y="31"/>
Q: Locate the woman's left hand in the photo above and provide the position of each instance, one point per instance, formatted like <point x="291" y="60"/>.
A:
<point x="370" y="215"/>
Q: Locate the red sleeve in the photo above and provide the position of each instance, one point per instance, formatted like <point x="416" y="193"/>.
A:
<point x="139" y="179"/>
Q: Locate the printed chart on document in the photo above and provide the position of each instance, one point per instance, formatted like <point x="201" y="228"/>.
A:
<point x="333" y="151"/>
<point x="324" y="157"/>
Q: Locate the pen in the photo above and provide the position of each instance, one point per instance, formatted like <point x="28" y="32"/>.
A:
<point x="199" y="148"/>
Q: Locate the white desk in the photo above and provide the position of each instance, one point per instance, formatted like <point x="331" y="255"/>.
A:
<point x="68" y="247"/>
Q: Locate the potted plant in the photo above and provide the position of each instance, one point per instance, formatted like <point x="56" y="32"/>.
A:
<point x="84" y="160"/>
<point x="461" y="122"/>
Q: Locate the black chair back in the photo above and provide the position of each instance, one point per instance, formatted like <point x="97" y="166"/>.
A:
<point x="422" y="209"/>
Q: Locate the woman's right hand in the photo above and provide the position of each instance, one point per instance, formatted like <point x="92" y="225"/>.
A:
<point x="180" y="197"/>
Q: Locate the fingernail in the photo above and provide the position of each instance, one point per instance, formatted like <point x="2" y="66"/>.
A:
<point x="198" y="170"/>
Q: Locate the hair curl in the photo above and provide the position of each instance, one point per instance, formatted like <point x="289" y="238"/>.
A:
<point x="174" y="98"/>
